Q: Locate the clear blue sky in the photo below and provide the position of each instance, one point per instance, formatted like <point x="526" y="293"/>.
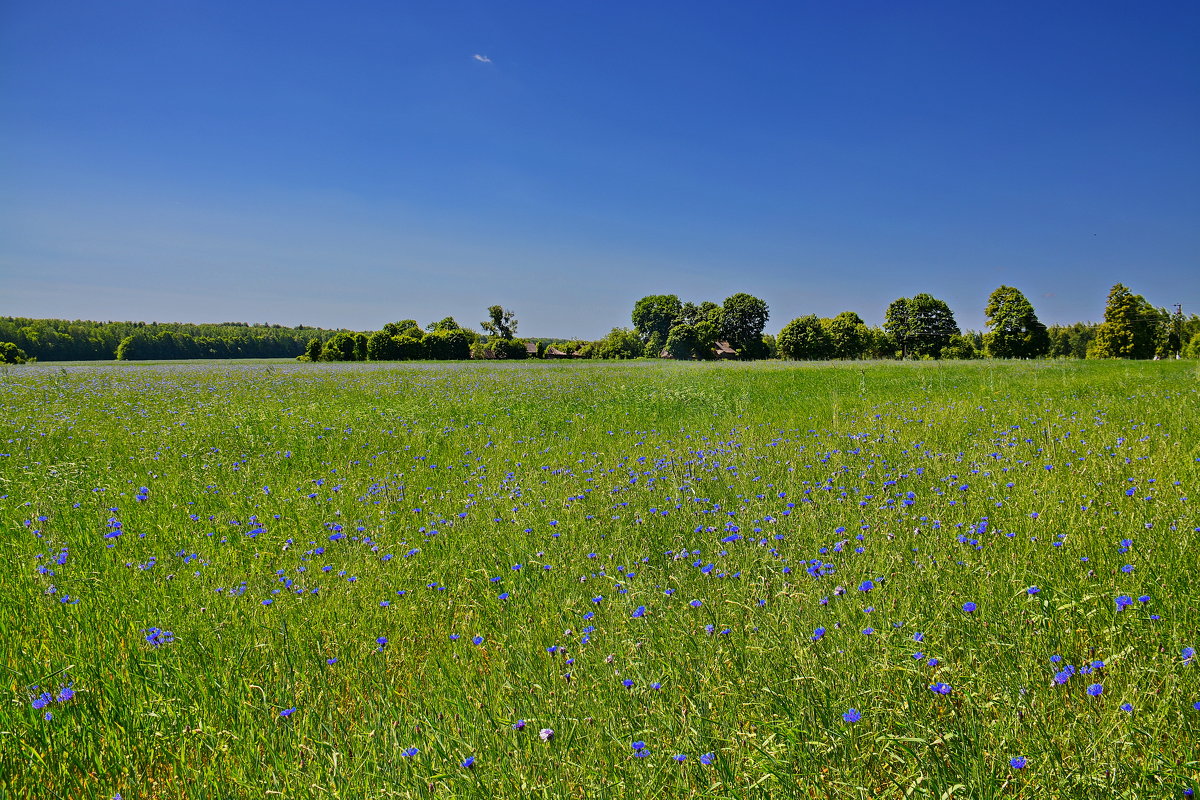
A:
<point x="348" y="164"/>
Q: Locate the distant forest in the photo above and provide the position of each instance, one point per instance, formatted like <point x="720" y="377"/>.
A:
<point x="921" y="327"/>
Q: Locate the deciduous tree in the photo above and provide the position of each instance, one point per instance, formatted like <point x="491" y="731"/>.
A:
<point x="921" y="325"/>
<point x="1016" y="331"/>
<point x="743" y="318"/>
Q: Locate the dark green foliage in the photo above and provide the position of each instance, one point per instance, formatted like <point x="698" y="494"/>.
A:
<point x="805" y="339"/>
<point x="1071" y="341"/>
<point x="503" y="323"/>
<point x="83" y="340"/>
<point x="682" y="343"/>
<point x="312" y="351"/>
<point x="743" y="318"/>
<point x="1016" y="331"/>
<point x="654" y="315"/>
<point x="921" y="325"/>
<point x="380" y="345"/>
<point x="619" y="343"/>
<point x="451" y="344"/>
<point x="443" y="324"/>
<point x="11" y="354"/>
<point x="409" y="346"/>
<point x="342" y="347"/>
<point x="655" y="345"/>
<point x="961" y="347"/>
<point x="848" y="335"/>
<point x="1132" y="328"/>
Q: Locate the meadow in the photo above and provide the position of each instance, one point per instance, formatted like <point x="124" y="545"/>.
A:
<point x="600" y="580"/>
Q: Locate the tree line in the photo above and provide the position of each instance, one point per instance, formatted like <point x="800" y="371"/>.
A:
<point x="664" y="326"/>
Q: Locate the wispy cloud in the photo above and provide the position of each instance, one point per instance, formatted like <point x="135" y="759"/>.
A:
<point x="481" y="59"/>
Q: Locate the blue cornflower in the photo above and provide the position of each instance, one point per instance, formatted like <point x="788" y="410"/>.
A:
<point x="866" y="586"/>
<point x="969" y="607"/>
<point x="640" y="611"/>
<point x="331" y="661"/>
<point x="638" y="745"/>
<point x="627" y="683"/>
<point x="42" y="700"/>
<point x="696" y="603"/>
<point x="940" y="688"/>
<point x="1127" y="708"/>
<point x="287" y="712"/>
<point x="468" y="762"/>
<point x="519" y="725"/>
<point x="410" y="752"/>
<point x="1032" y="590"/>
<point x="65" y="694"/>
<point x="852" y="715"/>
<point x="1017" y="762"/>
<point x="918" y="637"/>
<point x="157" y="636"/>
<point x="478" y="640"/>
<point x="1188" y="654"/>
<point x="680" y="758"/>
<point x="1095" y="690"/>
<point x="817" y="634"/>
<point x="708" y="758"/>
<point x="868" y="631"/>
<point x="1123" y="602"/>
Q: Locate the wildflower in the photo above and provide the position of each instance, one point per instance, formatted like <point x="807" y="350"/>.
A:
<point x="707" y="758"/>
<point x="468" y="762"/>
<point x="639" y="612"/>
<point x="410" y="752"/>
<point x="157" y="636"/>
<point x="1031" y="590"/>
<point x="940" y="688"/>
<point x="331" y="661"/>
<point x="1017" y="762"/>
<point x="1127" y="708"/>
<point x="478" y="640"/>
<point x="519" y="725"/>
<point x="817" y="634"/>
<point x="866" y="586"/>
<point x="546" y="734"/>
<point x="868" y="631"/>
<point x="1188" y="654"/>
<point x="969" y="608"/>
<point x="627" y="683"/>
<point x="1095" y="690"/>
<point x="680" y="758"/>
<point x="65" y="694"/>
<point x="1123" y="602"/>
<point x="287" y="712"/>
<point x="852" y="715"/>
<point x="696" y="603"/>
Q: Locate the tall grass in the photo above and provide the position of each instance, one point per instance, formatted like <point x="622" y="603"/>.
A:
<point x="432" y="563"/>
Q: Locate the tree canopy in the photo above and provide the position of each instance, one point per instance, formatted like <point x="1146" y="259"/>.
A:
<point x="921" y="325"/>
<point x="1015" y="329"/>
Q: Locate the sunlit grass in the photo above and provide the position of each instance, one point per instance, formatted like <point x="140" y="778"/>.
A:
<point x="528" y="538"/>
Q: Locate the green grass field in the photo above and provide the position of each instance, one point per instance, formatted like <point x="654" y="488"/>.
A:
<point x="708" y="580"/>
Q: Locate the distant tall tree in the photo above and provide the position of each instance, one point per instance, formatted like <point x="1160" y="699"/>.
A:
<point x="655" y="314"/>
<point x="848" y="335"/>
<point x="922" y="325"/>
<point x="804" y="339"/>
<point x="1016" y="331"/>
<point x="1130" y="329"/>
<point x="443" y="324"/>
<point x="503" y="323"/>
<point x="743" y="318"/>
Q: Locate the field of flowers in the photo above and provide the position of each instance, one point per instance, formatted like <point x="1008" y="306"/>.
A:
<point x="600" y="580"/>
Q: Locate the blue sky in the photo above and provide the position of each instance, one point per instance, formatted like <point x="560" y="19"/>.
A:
<point x="349" y="164"/>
